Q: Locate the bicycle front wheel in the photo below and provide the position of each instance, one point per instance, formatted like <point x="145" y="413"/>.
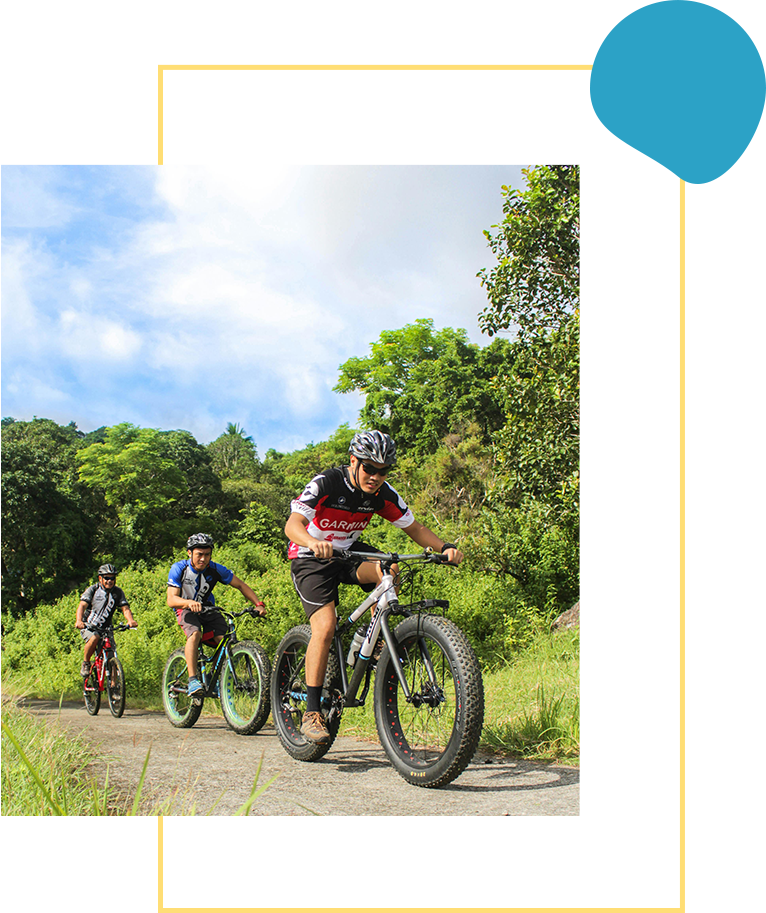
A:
<point x="431" y="738"/>
<point x="244" y="687"/>
<point x="288" y="695"/>
<point x="116" y="686"/>
<point x="182" y="711"/>
<point x="91" y="692"/>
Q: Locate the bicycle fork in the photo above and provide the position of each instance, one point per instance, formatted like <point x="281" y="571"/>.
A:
<point x="385" y="596"/>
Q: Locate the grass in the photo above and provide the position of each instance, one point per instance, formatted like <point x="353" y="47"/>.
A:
<point x="532" y="704"/>
<point x="46" y="772"/>
<point x="532" y="711"/>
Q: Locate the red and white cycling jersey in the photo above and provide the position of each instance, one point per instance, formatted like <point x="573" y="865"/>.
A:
<point x="339" y="513"/>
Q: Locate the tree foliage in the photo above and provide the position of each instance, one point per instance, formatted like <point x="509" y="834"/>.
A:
<point x="420" y="384"/>
<point x="535" y="286"/>
<point x="234" y="454"/>
<point x="488" y="438"/>
<point x="46" y="540"/>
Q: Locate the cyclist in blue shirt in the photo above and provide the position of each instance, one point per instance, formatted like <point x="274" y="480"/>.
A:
<point x="190" y="592"/>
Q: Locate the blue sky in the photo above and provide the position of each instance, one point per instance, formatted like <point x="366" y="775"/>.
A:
<point x="189" y="297"/>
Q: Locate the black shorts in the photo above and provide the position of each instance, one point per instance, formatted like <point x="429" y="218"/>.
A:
<point x="316" y="579"/>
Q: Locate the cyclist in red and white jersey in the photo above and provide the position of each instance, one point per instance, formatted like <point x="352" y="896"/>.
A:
<point x="331" y="513"/>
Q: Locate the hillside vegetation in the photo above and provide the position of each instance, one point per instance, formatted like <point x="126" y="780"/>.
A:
<point x="489" y="443"/>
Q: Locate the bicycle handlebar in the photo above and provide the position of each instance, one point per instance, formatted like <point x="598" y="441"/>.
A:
<point x="104" y="629"/>
<point x="248" y="610"/>
<point x="427" y="556"/>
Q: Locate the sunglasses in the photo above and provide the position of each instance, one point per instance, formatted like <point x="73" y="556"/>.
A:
<point x="108" y="577"/>
<point x="376" y="470"/>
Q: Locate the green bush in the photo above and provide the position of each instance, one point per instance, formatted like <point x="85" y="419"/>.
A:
<point x="43" y="650"/>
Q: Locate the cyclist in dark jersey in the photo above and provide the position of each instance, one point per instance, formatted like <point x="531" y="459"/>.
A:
<point x="96" y="607"/>
<point x="331" y="513"/>
<point x="190" y="591"/>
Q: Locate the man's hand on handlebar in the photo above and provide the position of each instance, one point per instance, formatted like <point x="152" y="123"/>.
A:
<point x="321" y="548"/>
<point x="453" y="555"/>
<point x="259" y="609"/>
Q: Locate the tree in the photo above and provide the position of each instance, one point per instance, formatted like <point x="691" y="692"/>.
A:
<point x="420" y="385"/>
<point x="530" y="524"/>
<point x="202" y="494"/>
<point x="48" y="517"/>
<point x="140" y="479"/>
<point x="536" y="284"/>
<point x="234" y="455"/>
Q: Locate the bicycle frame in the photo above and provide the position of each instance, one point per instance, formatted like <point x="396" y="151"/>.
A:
<point x="388" y="604"/>
<point x="106" y="645"/>
<point x="216" y="658"/>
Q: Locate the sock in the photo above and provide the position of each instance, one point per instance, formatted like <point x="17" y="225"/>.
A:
<point x="314" y="699"/>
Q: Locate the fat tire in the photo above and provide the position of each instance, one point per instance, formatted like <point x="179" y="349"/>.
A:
<point x="182" y="710"/>
<point x="246" y="708"/>
<point x="430" y="745"/>
<point x="286" y="710"/>
<point x="115" y="691"/>
<point x="91" y="692"/>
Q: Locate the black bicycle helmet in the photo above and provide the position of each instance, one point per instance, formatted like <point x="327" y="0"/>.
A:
<point x="199" y="540"/>
<point x="375" y="446"/>
<point x="107" y="570"/>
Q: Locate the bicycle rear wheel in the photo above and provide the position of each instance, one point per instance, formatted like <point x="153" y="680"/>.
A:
<point x="244" y="687"/>
<point x="115" y="686"/>
<point x="288" y="695"/>
<point x="431" y="739"/>
<point x="91" y="692"/>
<point x="182" y="711"/>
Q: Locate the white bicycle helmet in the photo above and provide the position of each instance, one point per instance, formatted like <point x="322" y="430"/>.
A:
<point x="375" y="446"/>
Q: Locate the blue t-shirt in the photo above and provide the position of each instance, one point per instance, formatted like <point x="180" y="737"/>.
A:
<point x="198" y="585"/>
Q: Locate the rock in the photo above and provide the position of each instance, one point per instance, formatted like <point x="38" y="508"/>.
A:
<point x="568" y="619"/>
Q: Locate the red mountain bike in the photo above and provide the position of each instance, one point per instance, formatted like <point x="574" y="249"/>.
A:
<point x="106" y="673"/>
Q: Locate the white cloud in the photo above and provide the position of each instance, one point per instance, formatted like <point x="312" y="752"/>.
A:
<point x="94" y="340"/>
<point x="260" y="282"/>
<point x="29" y="200"/>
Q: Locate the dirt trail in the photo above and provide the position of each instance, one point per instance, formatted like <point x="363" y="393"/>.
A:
<point x="211" y="766"/>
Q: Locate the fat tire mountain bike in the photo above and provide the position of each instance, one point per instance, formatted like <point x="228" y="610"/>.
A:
<point x="428" y="695"/>
<point x="240" y="668"/>
<point x="106" y="673"/>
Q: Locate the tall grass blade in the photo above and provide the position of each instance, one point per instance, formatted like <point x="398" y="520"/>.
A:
<point x="309" y="810"/>
<point x="137" y="799"/>
<point x="255" y="791"/>
<point x="55" y="807"/>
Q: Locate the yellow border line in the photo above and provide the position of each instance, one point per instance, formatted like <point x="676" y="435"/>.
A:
<point x="682" y="533"/>
<point x="669" y="785"/>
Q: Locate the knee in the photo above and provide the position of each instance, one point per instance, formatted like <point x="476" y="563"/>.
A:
<point x="323" y="629"/>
